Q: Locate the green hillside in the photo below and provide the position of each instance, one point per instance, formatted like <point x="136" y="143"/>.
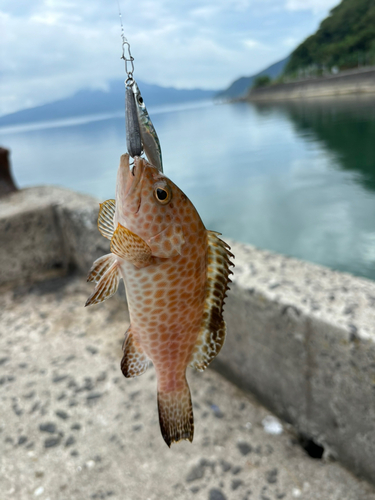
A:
<point x="346" y="39"/>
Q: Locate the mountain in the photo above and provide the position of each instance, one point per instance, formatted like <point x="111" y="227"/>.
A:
<point x="240" y="87"/>
<point x="88" y="102"/>
<point x="346" y="39"/>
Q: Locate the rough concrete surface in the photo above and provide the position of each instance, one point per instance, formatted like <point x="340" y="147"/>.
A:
<point x="72" y="427"/>
<point x="302" y="338"/>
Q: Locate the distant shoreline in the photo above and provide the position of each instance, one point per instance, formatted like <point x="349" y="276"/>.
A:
<point x="95" y="117"/>
<point x="358" y="81"/>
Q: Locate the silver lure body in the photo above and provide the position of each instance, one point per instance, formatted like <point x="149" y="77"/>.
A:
<point x="133" y="133"/>
<point x="149" y="137"/>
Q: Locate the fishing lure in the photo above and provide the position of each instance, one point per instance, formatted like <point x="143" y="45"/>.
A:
<point x="140" y="131"/>
<point x="133" y="133"/>
<point x="149" y="137"/>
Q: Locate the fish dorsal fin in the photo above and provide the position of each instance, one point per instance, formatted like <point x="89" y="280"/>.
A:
<point x="134" y="361"/>
<point x="100" y="266"/>
<point x="212" y="333"/>
<point x="105" y="218"/>
<point x="106" y="286"/>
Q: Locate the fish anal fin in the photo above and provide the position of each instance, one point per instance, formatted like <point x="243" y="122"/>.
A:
<point x="107" y="285"/>
<point x="129" y="246"/>
<point x="99" y="267"/>
<point x="167" y="243"/>
<point x="134" y="361"/>
<point x="176" y="415"/>
<point x="213" y="329"/>
<point x="105" y="218"/>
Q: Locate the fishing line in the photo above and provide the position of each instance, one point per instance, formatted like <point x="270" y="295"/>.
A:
<point x="141" y="135"/>
<point x="133" y="132"/>
<point x="126" y="54"/>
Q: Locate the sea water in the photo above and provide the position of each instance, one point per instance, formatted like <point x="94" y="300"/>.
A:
<point x="295" y="178"/>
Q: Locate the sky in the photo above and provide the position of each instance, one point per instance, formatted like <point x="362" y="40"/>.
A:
<point x="49" y="49"/>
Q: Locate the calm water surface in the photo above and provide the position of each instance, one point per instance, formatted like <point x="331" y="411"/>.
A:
<point x="298" y="179"/>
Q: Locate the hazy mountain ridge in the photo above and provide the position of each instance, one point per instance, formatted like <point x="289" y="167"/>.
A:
<point x="88" y="102"/>
<point x="240" y="87"/>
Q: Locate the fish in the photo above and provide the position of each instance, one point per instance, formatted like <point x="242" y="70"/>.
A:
<point x="149" y="137"/>
<point x="176" y="276"/>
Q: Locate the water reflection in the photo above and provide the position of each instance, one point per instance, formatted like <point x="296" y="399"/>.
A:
<point x="346" y="126"/>
<point x="337" y="204"/>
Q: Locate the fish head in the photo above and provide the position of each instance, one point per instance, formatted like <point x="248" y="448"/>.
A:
<point x="153" y="207"/>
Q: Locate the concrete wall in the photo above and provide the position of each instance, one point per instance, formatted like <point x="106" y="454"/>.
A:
<point x="44" y="230"/>
<point x="360" y="81"/>
<point x="300" y="336"/>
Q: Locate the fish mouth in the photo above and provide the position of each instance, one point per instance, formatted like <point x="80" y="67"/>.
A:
<point x="130" y="179"/>
<point x="129" y="184"/>
<point x="138" y="172"/>
<point x="131" y="175"/>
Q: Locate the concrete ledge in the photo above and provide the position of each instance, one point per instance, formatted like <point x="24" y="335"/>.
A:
<point x="44" y="230"/>
<point x="358" y="81"/>
<point x="300" y="336"/>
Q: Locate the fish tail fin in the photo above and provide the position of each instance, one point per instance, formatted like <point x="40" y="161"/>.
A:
<point x="176" y="415"/>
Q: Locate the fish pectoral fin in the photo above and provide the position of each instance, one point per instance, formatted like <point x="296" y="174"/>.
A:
<point x="107" y="285"/>
<point x="106" y="217"/>
<point x="130" y="247"/>
<point x="167" y="243"/>
<point x="100" y="266"/>
<point x="134" y="361"/>
<point x="213" y="329"/>
<point x="176" y="415"/>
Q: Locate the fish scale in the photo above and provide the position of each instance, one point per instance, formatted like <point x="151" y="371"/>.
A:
<point x="176" y="276"/>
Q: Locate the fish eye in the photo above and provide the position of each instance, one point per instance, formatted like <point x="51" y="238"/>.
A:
<point x="163" y="195"/>
<point x="140" y="99"/>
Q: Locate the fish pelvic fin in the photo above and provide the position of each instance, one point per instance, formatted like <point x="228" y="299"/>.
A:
<point x="106" y="217"/>
<point x="129" y="246"/>
<point x="176" y="415"/>
<point x="99" y="267"/>
<point x="107" y="284"/>
<point x="134" y="361"/>
<point x="213" y="329"/>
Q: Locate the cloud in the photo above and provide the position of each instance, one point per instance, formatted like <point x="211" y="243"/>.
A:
<point x="251" y="43"/>
<point x="313" y="5"/>
<point x="206" y="12"/>
<point x="53" y="48"/>
<point x="290" y="42"/>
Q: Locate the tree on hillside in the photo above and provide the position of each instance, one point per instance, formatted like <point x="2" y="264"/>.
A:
<point x="261" y="81"/>
<point x="346" y="38"/>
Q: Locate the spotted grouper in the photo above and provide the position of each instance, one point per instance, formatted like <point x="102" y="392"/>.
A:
<point x="176" y="275"/>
